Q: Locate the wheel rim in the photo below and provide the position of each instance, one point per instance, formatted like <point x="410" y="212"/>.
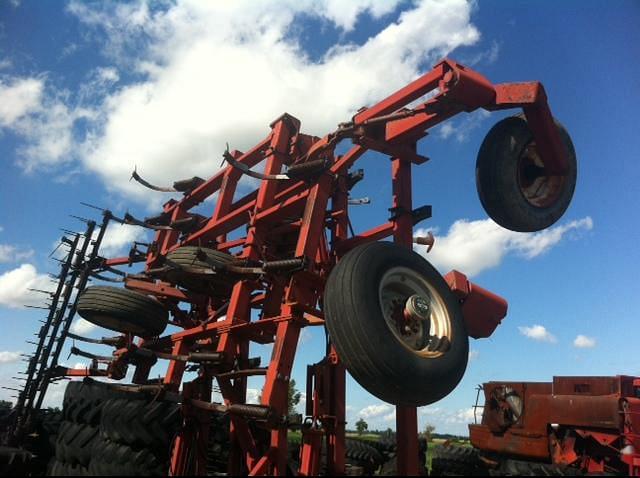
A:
<point x="428" y="335"/>
<point x="537" y="187"/>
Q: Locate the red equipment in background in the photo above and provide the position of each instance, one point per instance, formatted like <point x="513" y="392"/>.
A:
<point x="286" y="237"/>
<point x="590" y="424"/>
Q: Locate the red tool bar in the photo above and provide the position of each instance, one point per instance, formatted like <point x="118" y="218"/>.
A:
<point x="404" y="96"/>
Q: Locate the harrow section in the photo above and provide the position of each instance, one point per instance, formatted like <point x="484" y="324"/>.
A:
<point x="284" y="256"/>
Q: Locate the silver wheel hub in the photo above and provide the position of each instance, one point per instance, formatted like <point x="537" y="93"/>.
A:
<point x="415" y="312"/>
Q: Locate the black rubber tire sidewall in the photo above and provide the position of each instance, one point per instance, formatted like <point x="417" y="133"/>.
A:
<point x="122" y="310"/>
<point x="497" y="178"/>
<point x="369" y="350"/>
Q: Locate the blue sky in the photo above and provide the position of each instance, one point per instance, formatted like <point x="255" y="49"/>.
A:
<point x="88" y="91"/>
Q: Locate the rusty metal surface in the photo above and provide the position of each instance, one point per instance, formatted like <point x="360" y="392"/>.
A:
<point x="589" y="423"/>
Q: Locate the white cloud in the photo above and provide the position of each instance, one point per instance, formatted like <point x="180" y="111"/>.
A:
<point x="19" y="97"/>
<point x="253" y="396"/>
<point x="460" y="127"/>
<point x="120" y="237"/>
<point x="9" y="253"/>
<point x="377" y="410"/>
<point x="473" y="355"/>
<point x="81" y="326"/>
<point x="584" y="342"/>
<point x="15" y="285"/>
<point x="217" y="72"/>
<point x="9" y="357"/>
<point x="42" y="119"/>
<point x="539" y="333"/>
<point x="474" y="246"/>
<point x="463" y="416"/>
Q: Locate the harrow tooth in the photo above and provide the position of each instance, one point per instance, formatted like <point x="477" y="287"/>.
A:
<point x="42" y="291"/>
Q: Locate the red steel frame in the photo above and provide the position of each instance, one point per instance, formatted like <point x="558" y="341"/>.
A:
<point x="319" y="207"/>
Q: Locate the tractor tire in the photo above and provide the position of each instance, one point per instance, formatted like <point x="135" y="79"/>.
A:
<point x="359" y="453"/>
<point x="75" y="443"/>
<point x="123" y="310"/>
<point x="456" y="461"/>
<point x="196" y="275"/>
<point x="219" y="448"/>
<point x="531" y="468"/>
<point x="115" y="459"/>
<point x="140" y="423"/>
<point x="365" y="293"/>
<point x="15" y="461"/>
<point x="66" y="469"/>
<point x="512" y="186"/>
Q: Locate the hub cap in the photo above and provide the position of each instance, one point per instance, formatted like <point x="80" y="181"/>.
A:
<point x="415" y="312"/>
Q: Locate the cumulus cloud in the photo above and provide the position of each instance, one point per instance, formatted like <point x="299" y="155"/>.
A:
<point x="120" y="237"/>
<point x="43" y="120"/>
<point x="376" y="410"/>
<point x="463" y="416"/>
<point x="474" y="246"/>
<point x="19" y="97"/>
<point x="15" y="285"/>
<point x="584" y="342"/>
<point x="9" y="357"/>
<point x="217" y="72"/>
<point x="539" y="333"/>
<point x="81" y="326"/>
<point x="459" y="128"/>
<point x="253" y="396"/>
<point x="9" y="253"/>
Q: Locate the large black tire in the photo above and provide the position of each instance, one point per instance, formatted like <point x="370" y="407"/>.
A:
<point x="512" y="185"/>
<point x="123" y="310"/>
<point x="195" y="276"/>
<point x="141" y="424"/>
<point x="15" y="461"/>
<point x="456" y="461"/>
<point x="115" y="459"/>
<point x="362" y="454"/>
<point x="529" y="468"/>
<point x="66" y="469"/>
<point x="75" y="443"/>
<point x="374" y="356"/>
<point x="219" y="448"/>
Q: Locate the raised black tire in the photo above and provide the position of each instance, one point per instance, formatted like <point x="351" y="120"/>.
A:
<point x="511" y="182"/>
<point x="195" y="276"/>
<point x="114" y="459"/>
<point x="456" y="461"/>
<point x="67" y="469"/>
<point x="123" y="310"/>
<point x="75" y="443"/>
<point x="374" y="356"/>
<point x="140" y="423"/>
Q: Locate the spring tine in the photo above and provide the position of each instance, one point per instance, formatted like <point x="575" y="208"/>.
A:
<point x="93" y="207"/>
<point x="55" y="250"/>
<point x="81" y="219"/>
<point x="41" y="291"/>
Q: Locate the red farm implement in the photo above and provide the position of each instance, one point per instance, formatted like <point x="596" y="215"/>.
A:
<point x="571" y="426"/>
<point x="263" y="266"/>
